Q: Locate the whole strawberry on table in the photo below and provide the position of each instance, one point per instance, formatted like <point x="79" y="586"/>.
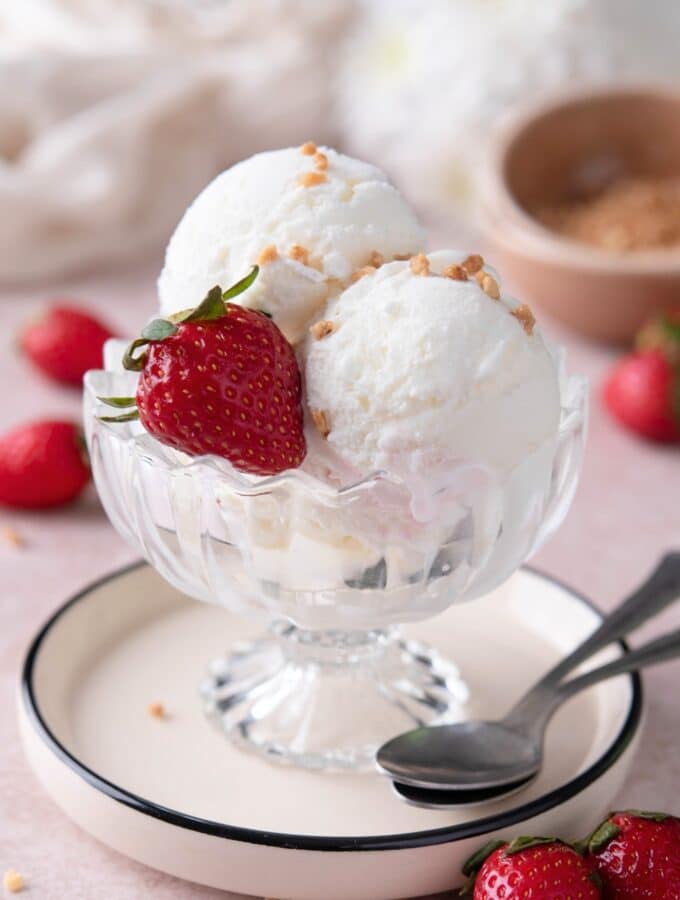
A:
<point x="64" y="342"/>
<point x="642" y="391"/>
<point x="632" y="855"/>
<point x="219" y="379"/>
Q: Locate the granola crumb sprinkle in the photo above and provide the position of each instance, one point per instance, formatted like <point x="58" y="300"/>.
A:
<point x="322" y="329"/>
<point x="524" y="315"/>
<point x="321" y="161"/>
<point x="320" y="418"/>
<point x="420" y="264"/>
<point x="156" y="710"/>
<point x="364" y="270"/>
<point x="12" y="881"/>
<point x="455" y="272"/>
<point x="269" y="254"/>
<point x="402" y="257"/>
<point x="310" y="179"/>
<point x="13" y="538"/>
<point x="376" y="259"/>
<point x="488" y="284"/>
<point x="299" y="254"/>
<point x="308" y="148"/>
<point x="473" y="263"/>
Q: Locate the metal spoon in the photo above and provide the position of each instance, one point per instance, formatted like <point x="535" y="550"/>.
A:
<point x="502" y="756"/>
<point x="528" y="746"/>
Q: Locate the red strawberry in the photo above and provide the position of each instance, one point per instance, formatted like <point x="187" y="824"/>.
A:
<point x="637" y="856"/>
<point x="543" y="868"/>
<point x="42" y="464"/>
<point x="223" y="380"/>
<point x="643" y="392"/>
<point x="65" y="342"/>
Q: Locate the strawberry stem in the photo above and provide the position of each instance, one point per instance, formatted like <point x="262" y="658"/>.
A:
<point x="126" y="417"/>
<point x="135" y="363"/>
<point x="118" y="402"/>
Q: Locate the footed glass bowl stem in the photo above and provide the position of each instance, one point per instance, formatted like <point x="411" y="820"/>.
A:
<point x="328" y="699"/>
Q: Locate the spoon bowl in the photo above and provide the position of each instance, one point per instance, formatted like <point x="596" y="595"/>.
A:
<point x="467" y="756"/>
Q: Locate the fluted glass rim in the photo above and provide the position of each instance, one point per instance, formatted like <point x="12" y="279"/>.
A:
<point x="573" y="414"/>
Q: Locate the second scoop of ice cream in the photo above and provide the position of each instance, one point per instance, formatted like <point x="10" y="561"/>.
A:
<point x="415" y="372"/>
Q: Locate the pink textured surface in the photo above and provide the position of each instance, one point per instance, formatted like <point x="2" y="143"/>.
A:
<point x="625" y="514"/>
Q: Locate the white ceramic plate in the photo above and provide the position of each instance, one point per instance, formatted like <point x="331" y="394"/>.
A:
<point x="177" y="796"/>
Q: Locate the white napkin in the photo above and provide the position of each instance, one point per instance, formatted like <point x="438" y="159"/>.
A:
<point x="113" y="115"/>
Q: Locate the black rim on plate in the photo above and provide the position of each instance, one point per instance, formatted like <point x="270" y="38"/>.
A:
<point x="309" y="842"/>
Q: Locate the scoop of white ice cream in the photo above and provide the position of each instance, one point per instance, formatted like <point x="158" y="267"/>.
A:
<point x="347" y="212"/>
<point x="423" y="371"/>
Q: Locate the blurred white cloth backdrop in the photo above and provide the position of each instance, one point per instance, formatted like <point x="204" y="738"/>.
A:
<point x="114" y="113"/>
<point x="422" y="86"/>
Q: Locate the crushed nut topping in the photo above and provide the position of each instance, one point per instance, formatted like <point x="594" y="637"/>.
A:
<point x="310" y="179"/>
<point x="633" y="212"/>
<point x="320" y="419"/>
<point x="12" y="881"/>
<point x="364" y="270"/>
<point x="420" y="264"/>
<point x="156" y="710"/>
<point x="269" y="254"/>
<point x="524" y="315"/>
<point x="322" y="329"/>
<point x="455" y="272"/>
<point x="473" y="263"/>
<point x="321" y="161"/>
<point x="308" y="148"/>
<point x="13" y="538"/>
<point x="376" y="259"/>
<point x="488" y="284"/>
<point x="401" y="257"/>
<point x="299" y="254"/>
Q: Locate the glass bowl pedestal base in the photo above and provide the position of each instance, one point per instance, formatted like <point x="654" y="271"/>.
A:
<point x="328" y="699"/>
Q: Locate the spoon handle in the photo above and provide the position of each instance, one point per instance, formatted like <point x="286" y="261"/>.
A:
<point x="650" y="654"/>
<point x="659" y="590"/>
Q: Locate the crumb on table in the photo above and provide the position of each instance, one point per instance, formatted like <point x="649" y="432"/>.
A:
<point x="156" y="710"/>
<point x="12" y="537"/>
<point x="12" y="881"/>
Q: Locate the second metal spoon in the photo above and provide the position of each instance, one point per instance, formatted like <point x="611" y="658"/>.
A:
<point x="489" y="759"/>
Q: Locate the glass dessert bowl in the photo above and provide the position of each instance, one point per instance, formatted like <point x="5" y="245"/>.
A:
<point x="333" y="570"/>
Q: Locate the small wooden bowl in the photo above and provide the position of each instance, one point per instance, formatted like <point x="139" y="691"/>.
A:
<point x="563" y="147"/>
